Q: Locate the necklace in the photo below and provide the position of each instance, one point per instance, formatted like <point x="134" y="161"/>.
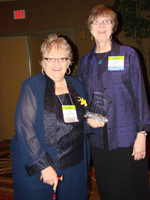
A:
<point x="101" y="61"/>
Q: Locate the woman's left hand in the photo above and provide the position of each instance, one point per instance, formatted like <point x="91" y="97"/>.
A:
<point x="139" y="147"/>
<point x="94" y="123"/>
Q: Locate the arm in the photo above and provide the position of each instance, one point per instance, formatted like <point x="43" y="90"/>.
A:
<point x="93" y="125"/>
<point x="142" y="109"/>
<point x="34" y="154"/>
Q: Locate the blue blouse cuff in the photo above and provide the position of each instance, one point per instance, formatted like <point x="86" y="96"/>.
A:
<point x="39" y="165"/>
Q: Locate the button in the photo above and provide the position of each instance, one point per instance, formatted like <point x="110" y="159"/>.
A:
<point x="104" y="88"/>
<point x="109" y="128"/>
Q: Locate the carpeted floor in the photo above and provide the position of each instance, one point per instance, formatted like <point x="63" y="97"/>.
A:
<point x="6" y="182"/>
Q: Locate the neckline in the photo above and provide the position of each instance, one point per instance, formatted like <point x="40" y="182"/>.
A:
<point x="103" y="53"/>
<point x="62" y="94"/>
<point x="102" y="56"/>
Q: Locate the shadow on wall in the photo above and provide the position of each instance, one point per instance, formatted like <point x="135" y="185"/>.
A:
<point x="75" y="51"/>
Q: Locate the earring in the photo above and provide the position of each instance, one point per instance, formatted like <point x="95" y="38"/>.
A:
<point x="91" y="37"/>
<point x="43" y="72"/>
<point x="69" y="71"/>
<point x="111" y="37"/>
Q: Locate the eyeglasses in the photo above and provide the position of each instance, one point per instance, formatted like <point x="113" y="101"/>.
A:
<point x="105" y="22"/>
<point x="52" y="60"/>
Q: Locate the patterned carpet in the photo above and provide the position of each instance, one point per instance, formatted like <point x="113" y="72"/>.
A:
<point x="6" y="182"/>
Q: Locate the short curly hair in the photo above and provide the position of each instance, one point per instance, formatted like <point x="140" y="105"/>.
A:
<point x="61" y="45"/>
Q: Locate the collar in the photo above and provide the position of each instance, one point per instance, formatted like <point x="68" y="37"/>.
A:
<point x="115" y="51"/>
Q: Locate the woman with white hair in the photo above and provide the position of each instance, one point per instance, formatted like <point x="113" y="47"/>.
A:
<point x="50" y="138"/>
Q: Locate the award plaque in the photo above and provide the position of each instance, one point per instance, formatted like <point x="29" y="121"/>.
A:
<point x="99" y="106"/>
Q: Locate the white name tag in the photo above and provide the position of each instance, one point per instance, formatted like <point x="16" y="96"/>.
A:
<point x="69" y="113"/>
<point x="115" y="63"/>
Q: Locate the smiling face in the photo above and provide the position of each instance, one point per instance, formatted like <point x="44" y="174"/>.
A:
<point x="55" y="70"/>
<point x="101" y="31"/>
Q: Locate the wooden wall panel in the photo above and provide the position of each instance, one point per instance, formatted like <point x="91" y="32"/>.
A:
<point x="13" y="70"/>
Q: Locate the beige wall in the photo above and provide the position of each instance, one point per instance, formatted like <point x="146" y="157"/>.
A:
<point x="14" y="68"/>
<point x="42" y="16"/>
<point x="48" y="14"/>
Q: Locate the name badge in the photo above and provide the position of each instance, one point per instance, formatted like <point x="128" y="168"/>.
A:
<point x="115" y="63"/>
<point x="69" y="113"/>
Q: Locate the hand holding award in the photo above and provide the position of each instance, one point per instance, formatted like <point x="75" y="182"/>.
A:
<point x="99" y="107"/>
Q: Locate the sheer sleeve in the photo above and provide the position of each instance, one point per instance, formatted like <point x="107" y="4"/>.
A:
<point x="33" y="152"/>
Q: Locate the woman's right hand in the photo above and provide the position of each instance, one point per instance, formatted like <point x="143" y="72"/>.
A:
<point x="94" y="123"/>
<point x="49" y="176"/>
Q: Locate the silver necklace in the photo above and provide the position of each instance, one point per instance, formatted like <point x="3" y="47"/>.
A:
<point x="101" y="61"/>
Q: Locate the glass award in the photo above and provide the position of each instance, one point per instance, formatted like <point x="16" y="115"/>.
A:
<point x="99" y="106"/>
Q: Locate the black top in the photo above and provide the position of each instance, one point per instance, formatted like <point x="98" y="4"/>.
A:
<point x="68" y="137"/>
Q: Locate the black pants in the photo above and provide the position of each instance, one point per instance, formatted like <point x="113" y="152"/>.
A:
<point x="118" y="176"/>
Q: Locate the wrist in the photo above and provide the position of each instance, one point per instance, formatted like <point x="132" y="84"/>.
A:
<point x="143" y="132"/>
